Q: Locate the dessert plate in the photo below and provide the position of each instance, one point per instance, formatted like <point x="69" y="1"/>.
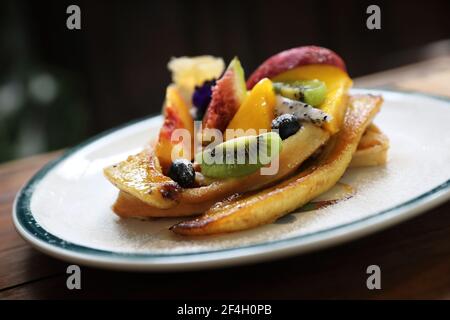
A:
<point x="65" y="209"/>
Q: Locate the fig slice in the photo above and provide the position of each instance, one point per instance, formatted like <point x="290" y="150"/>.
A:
<point x="227" y="96"/>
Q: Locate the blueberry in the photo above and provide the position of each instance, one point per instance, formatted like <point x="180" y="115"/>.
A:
<point x="287" y="125"/>
<point x="182" y="172"/>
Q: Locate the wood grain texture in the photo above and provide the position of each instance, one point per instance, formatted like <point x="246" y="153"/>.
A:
<point x="430" y="76"/>
<point x="414" y="256"/>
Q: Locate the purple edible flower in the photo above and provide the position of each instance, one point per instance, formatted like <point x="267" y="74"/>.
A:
<point x="202" y="97"/>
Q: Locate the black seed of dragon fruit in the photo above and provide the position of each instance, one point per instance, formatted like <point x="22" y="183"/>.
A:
<point x="202" y="97"/>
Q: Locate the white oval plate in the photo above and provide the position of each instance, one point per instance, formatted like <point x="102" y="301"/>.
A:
<point x="64" y="210"/>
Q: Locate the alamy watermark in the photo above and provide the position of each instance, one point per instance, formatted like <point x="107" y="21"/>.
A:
<point x="73" y="21"/>
<point x="74" y="279"/>
<point x="374" y="280"/>
<point x="374" y="20"/>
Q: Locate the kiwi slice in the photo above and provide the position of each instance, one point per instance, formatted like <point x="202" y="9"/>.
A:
<point x="240" y="156"/>
<point x="312" y="92"/>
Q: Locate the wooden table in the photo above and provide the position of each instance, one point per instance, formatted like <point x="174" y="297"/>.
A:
<point x="414" y="256"/>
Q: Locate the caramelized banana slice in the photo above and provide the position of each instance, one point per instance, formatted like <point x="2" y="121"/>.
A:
<point x="128" y="206"/>
<point x="141" y="177"/>
<point x="371" y="151"/>
<point x="270" y="204"/>
<point x="372" y="148"/>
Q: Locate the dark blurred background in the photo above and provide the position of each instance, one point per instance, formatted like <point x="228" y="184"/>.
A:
<point x="59" y="86"/>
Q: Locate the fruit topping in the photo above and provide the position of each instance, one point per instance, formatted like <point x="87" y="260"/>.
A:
<point x="201" y="98"/>
<point x="256" y="112"/>
<point x="312" y="92"/>
<point x="227" y="96"/>
<point x="287" y="125"/>
<point x="176" y="116"/>
<point x="240" y="156"/>
<point x="301" y="110"/>
<point x="337" y="82"/>
<point x="293" y="58"/>
<point x="188" y="72"/>
<point x="182" y="172"/>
